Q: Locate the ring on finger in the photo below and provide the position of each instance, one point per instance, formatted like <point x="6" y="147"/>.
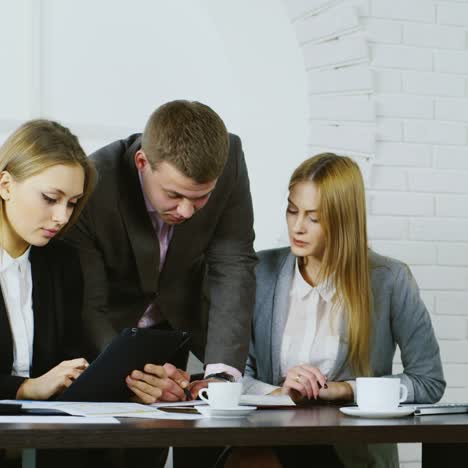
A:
<point x="298" y="378"/>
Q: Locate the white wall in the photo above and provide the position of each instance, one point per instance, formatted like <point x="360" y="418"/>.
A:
<point x="388" y="81"/>
<point x="103" y="66"/>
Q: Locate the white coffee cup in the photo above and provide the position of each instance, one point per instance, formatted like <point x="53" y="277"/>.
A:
<point x="379" y="393"/>
<point x="222" y="395"/>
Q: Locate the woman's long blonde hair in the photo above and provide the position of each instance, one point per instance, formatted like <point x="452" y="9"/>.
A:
<point x="40" y="144"/>
<point x="342" y="214"/>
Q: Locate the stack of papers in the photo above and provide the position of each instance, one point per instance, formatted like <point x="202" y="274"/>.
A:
<point x="106" y="413"/>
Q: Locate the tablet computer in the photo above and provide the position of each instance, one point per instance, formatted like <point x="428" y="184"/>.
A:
<point x="104" y="379"/>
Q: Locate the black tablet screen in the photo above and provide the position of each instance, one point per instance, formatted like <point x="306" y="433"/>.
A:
<point x="104" y="379"/>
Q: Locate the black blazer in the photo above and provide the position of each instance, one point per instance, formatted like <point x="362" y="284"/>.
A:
<point x="57" y="302"/>
<point x="207" y="285"/>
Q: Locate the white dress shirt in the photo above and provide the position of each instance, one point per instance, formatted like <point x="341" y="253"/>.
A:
<point x="16" y="284"/>
<point x="311" y="335"/>
<point x="164" y="233"/>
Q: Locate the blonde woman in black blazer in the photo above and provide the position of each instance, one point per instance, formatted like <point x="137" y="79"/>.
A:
<point x="45" y="179"/>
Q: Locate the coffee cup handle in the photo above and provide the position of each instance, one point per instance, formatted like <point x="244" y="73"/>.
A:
<point x="202" y="396"/>
<point x="404" y="393"/>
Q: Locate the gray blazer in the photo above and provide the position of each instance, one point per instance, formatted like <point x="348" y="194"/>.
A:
<point x="400" y="318"/>
<point x="207" y="285"/>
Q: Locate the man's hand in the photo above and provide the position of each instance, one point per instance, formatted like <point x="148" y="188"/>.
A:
<point x="55" y="381"/>
<point x="158" y="383"/>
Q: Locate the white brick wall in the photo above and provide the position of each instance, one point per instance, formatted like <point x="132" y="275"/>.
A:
<point x="348" y="80"/>
<point x="415" y="10"/>
<point x="433" y="84"/>
<point x="451" y="62"/>
<point x="351" y="108"/>
<point x="331" y="24"/>
<point x="341" y="52"/>
<point x="404" y="154"/>
<point x="456" y="15"/>
<point x="452" y="109"/>
<point x="451" y="158"/>
<point x="422" y="80"/>
<point x="397" y="105"/>
<point x="435" y="132"/>
<point x="441" y="37"/>
<point x="452" y="206"/>
<point x="409" y="66"/>
<point x="410" y="58"/>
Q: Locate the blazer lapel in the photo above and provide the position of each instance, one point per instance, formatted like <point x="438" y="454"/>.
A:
<point x="44" y="313"/>
<point x="140" y="230"/>
<point x="6" y="341"/>
<point x="280" y="312"/>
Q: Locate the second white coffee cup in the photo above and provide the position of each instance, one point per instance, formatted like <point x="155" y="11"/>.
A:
<point x="222" y="395"/>
<point x="379" y="393"/>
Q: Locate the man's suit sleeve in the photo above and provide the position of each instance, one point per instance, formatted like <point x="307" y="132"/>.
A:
<point x="231" y="279"/>
<point x="97" y="327"/>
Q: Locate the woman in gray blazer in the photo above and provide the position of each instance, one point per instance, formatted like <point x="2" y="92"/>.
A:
<point x="328" y="309"/>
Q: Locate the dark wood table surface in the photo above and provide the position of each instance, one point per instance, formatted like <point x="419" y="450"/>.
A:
<point x="296" y="426"/>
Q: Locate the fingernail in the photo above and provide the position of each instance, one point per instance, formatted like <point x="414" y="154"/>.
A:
<point x="325" y="385"/>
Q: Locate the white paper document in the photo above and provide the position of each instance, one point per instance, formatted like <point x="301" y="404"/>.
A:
<point x="100" y="410"/>
<point x="56" y="420"/>
<point x="248" y="400"/>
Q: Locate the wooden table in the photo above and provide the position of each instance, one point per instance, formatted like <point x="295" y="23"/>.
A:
<point x="298" y="426"/>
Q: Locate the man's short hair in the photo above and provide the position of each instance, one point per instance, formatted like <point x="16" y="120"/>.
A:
<point x="189" y="135"/>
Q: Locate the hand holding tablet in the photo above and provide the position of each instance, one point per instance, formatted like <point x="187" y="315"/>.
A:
<point x="133" y="349"/>
<point x="159" y="383"/>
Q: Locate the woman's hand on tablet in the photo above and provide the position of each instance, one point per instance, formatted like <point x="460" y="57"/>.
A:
<point x="55" y="381"/>
<point x="158" y="383"/>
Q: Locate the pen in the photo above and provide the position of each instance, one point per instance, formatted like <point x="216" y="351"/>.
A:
<point x="173" y="409"/>
<point x="188" y="395"/>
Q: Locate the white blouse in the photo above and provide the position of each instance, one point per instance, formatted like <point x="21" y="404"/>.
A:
<point x="311" y="335"/>
<point x="16" y="284"/>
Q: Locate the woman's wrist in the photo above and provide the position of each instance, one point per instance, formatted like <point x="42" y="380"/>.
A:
<point x="22" y="390"/>
<point x="348" y="391"/>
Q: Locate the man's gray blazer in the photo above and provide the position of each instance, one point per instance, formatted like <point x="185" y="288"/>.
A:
<point x="210" y="258"/>
<point x="399" y="318"/>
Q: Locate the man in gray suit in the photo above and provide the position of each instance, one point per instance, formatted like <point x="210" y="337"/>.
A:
<point x="167" y="241"/>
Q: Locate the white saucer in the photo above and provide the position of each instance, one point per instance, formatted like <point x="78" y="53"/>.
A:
<point x="236" y="412"/>
<point x="396" y="413"/>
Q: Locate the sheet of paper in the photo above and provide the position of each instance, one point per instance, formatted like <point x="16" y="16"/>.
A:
<point x="111" y="409"/>
<point x="166" y="404"/>
<point x="92" y="409"/>
<point x="248" y="400"/>
<point x="56" y="420"/>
